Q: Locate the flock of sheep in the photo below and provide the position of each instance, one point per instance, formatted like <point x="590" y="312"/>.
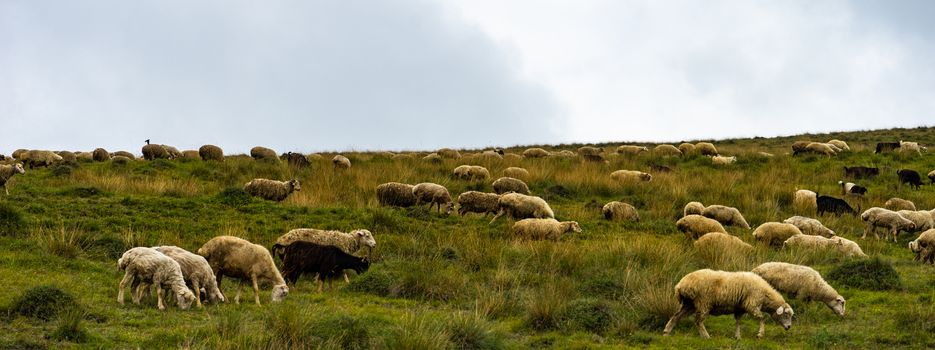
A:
<point x="327" y="254"/>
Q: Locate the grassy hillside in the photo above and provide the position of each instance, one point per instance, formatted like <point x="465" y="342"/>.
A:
<point x="449" y="281"/>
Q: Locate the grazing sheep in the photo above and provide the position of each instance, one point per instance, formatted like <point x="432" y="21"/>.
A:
<point x="512" y="157"/>
<point x="931" y="176"/>
<point x="82" y="157"/>
<point x="263" y="153"/>
<point x="686" y="148"/>
<point x="630" y="176"/>
<point x="594" y="158"/>
<point x="153" y="151"/>
<point x="18" y="154"/>
<point x="695" y="208"/>
<point x="840" y="144"/>
<point x="433" y="158"/>
<point x="713" y="244"/>
<point x="630" y="149"/>
<point x="341" y="162"/>
<point x="173" y="152"/>
<point x="328" y="262"/>
<point x="667" y="150"/>
<point x="37" y="158"/>
<point x="843" y="246"/>
<point x="909" y="176"/>
<point x="694" y="226"/>
<point x="799" y="147"/>
<point x="433" y="194"/>
<point x="834" y="148"/>
<point x="922" y="219"/>
<point x="810" y="226"/>
<point x="478" y="202"/>
<point x="521" y="206"/>
<point x="196" y="272"/>
<point x="820" y="148"/>
<point x="191" y="154"/>
<point x="852" y="188"/>
<point x="861" y="172"/>
<point x="774" y="233"/>
<point x="619" y="211"/>
<point x="886" y="147"/>
<point x="564" y="154"/>
<point x="448" y="153"/>
<point x="123" y="154"/>
<point x="271" y="189"/>
<point x="721" y="160"/>
<point x="805" y="200"/>
<point x="120" y="160"/>
<point x="238" y="258"/>
<point x="906" y="146"/>
<point x="471" y="172"/>
<point x="590" y="151"/>
<point x="296" y="160"/>
<point x="924" y="247"/>
<point x="888" y="219"/>
<point x="491" y="154"/>
<point x="212" y="152"/>
<point x="729" y="216"/>
<point x="67" y="157"/>
<point x="709" y="292"/>
<point x="544" y="228"/>
<point x="350" y="243"/>
<point x="509" y="184"/>
<point x="896" y="204"/>
<point x="836" y="206"/>
<point x="536" y="153"/>
<point x="516" y="172"/>
<point x="6" y="173"/>
<point x="706" y="149"/>
<point x="395" y="194"/>
<point x="146" y="265"/>
<point x="100" y="155"/>
<point x="799" y="281"/>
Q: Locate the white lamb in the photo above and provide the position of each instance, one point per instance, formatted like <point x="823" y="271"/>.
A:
<point x="238" y="258"/>
<point x="891" y="220"/>
<point x="838" y="244"/>
<point x="521" y="206"/>
<point x="810" y="226"/>
<point x="147" y="265"/>
<point x="799" y="281"/>
<point x="196" y="272"/>
<point x="544" y="228"/>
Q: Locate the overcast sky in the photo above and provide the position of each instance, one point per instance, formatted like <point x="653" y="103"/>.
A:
<point x="419" y="74"/>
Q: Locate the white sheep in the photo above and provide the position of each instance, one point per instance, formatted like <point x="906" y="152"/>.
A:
<point x="196" y="272"/>
<point x="709" y="292"/>
<point x="695" y="226"/>
<point x="619" y="211"/>
<point x="924" y="247"/>
<point x="729" y="216"/>
<point x="820" y="148"/>
<point x="840" y="144"/>
<point x="722" y="160"/>
<point x="695" y="208"/>
<point x="471" y="172"/>
<point x="6" y="173"/>
<point x="478" y="202"/>
<point x="238" y="258"/>
<point x="271" y="189"/>
<point x="810" y="226"/>
<point x="630" y="149"/>
<point x="706" y="149"/>
<point x="895" y="204"/>
<point x="803" y="282"/>
<point x="521" y="206"/>
<point x="395" y="194"/>
<point x="774" y="233"/>
<point x="341" y="162"/>
<point x="39" y="158"/>
<point x="686" y="148"/>
<point x="348" y="242"/>
<point x="536" y="153"/>
<point x="433" y="158"/>
<point x="630" y="176"/>
<point x="449" y="153"/>
<point x="544" y="228"/>
<point x="891" y="220"/>
<point x="838" y="244"/>
<point x="922" y="219"/>
<point x="146" y="265"/>
<point x="667" y="150"/>
<point x="906" y="146"/>
<point x="565" y="154"/>
<point x="516" y="172"/>
<point x="805" y="200"/>
<point x="590" y="151"/>
<point x="509" y="184"/>
<point x="433" y="194"/>
<point x="714" y="244"/>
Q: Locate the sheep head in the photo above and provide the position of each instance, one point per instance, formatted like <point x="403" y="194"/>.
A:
<point x="783" y="315"/>
<point x="837" y="305"/>
<point x="295" y="185"/>
<point x="279" y="292"/>
<point x="185" y="298"/>
<point x="365" y="238"/>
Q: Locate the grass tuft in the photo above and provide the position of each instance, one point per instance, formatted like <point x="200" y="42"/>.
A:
<point x="870" y="274"/>
<point x="43" y="302"/>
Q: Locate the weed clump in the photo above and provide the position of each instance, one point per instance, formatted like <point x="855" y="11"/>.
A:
<point x="472" y="332"/>
<point x="233" y="196"/>
<point x="43" y="302"/>
<point x="11" y="221"/>
<point x="872" y="274"/>
<point x="589" y="314"/>
<point x="69" y="326"/>
<point x="375" y="281"/>
<point x="62" y="170"/>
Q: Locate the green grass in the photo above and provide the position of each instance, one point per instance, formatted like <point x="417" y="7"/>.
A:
<point x="453" y="282"/>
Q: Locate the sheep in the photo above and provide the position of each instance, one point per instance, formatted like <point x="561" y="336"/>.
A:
<point x="433" y="194"/>
<point x="448" y="153"/>
<point x="512" y="157"/>
<point x="810" y="226"/>
<point x="173" y="152"/>
<point x="190" y="154"/>
<point x="509" y="184"/>
<point x="154" y="151"/>
<point x="7" y="171"/>
<point x="852" y="188"/>
<point x="693" y="208"/>
<point x="667" y="150"/>
<point x="706" y="149"/>
<point x="632" y="150"/>
<point x="326" y="261"/>
<point x="931" y="176"/>
<point x="478" y="202"/>
<point x="729" y="216"/>
<point x="775" y="233"/>
<point x="123" y="154"/>
<point x="196" y="272"/>
<point x="721" y="160"/>
<point x="896" y="204"/>
<point x="315" y="157"/>
<point x="595" y="158"/>
<point x="798" y="281"/>
<point x="492" y="154"/>
<point x="38" y="158"/>
<point x="694" y="226"/>
<point x="271" y="189"/>
<point x="713" y="244"/>
<point x="18" y="154"/>
<point x="765" y="154"/>
<point x="861" y="172"/>
<point x="909" y="176"/>
<point x="263" y="153"/>
<point x="516" y="172"/>
<point x="590" y="151"/>
<point x="833" y="205"/>
<point x="521" y="206"/>
<point x="924" y="247"/>
<point x="686" y="148"/>
<point x="799" y="147"/>
<point x="536" y="153"/>
<point x="805" y="200"/>
<point x="238" y="258"/>
<point x="630" y="176"/>
<point x="834" y="148"/>
<point x="147" y="265"/>
<point x="471" y="172"/>
<point x="212" y="152"/>
<point x="922" y="219"/>
<point x="906" y="146"/>
<point x="880" y="217"/>
<point x="67" y="157"/>
<point x="544" y="228"/>
<point x="395" y="194"/>
<point x="838" y="244"/>
<point x="433" y="158"/>
<point x="709" y="292"/>
<point x="82" y="157"/>
<point x="886" y="147"/>
<point x="839" y="144"/>
<point x="120" y="160"/>
<point x="296" y="160"/>
<point x="820" y="148"/>
<point x="341" y="162"/>
<point x="349" y="242"/>
<point x="100" y="155"/>
<point x="619" y="211"/>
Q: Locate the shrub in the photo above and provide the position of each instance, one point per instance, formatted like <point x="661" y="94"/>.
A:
<point x="61" y="170"/>
<point x="589" y="314"/>
<point x="871" y="274"/>
<point x="43" y="302"/>
<point x="11" y="221"/>
<point x="374" y="281"/>
<point x="233" y="196"/>
<point x="472" y="332"/>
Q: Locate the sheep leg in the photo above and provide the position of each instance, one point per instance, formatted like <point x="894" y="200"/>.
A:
<point x="674" y="320"/>
<point x="159" y="293"/>
<point x="127" y="278"/>
<point x="239" y="290"/>
<point x="256" y="289"/>
<point x="321" y="284"/>
<point x="762" y="330"/>
<point x="346" y="280"/>
<point x="197" y="290"/>
<point x="895" y="234"/>
<point x="331" y="285"/>
<point x="699" y="322"/>
<point x="737" y="317"/>
<point x="499" y="213"/>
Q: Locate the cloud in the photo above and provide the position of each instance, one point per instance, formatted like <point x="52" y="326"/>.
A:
<point x="302" y="75"/>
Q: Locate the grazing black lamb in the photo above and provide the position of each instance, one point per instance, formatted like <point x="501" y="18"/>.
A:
<point x="329" y="262"/>
<point x="833" y="205"/>
<point x="861" y="172"/>
<point x="909" y="176"/>
<point x="886" y="147"/>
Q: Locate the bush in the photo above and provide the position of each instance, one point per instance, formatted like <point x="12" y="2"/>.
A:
<point x="234" y="196"/>
<point x="588" y="314"/>
<point x="11" y="221"/>
<point x="374" y="281"/>
<point x="872" y="274"/>
<point x="43" y="302"/>
<point x="472" y="332"/>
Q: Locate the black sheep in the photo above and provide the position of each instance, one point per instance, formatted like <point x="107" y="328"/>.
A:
<point x="296" y="160"/>
<point x="329" y="262"/>
<point x="861" y="172"/>
<point x="833" y="205"/>
<point x="886" y="147"/>
<point x="909" y="176"/>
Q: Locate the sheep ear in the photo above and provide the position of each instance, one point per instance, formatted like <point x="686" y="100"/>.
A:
<point x="779" y="311"/>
